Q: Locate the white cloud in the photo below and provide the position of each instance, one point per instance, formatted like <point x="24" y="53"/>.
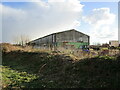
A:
<point x="56" y="0"/>
<point x="100" y="16"/>
<point x="40" y="18"/>
<point x="104" y="34"/>
<point x="101" y="21"/>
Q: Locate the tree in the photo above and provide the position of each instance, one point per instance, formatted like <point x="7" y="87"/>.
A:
<point x="21" y="40"/>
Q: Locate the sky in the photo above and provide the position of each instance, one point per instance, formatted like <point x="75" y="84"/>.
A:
<point x="99" y="20"/>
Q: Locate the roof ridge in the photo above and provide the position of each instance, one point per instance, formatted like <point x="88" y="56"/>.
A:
<point x="59" y="32"/>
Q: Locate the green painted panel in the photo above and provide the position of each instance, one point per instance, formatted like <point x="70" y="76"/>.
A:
<point x="76" y="44"/>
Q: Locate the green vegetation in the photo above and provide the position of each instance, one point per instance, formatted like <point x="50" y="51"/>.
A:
<point x="41" y="69"/>
<point x="13" y="78"/>
<point x="58" y="71"/>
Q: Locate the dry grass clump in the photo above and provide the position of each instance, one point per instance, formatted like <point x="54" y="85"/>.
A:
<point x="80" y="54"/>
<point x="75" y="54"/>
<point x="59" y="71"/>
<point x="6" y="47"/>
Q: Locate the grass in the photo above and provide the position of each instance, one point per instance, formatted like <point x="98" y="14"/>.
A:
<point x="45" y="69"/>
<point x="14" y="79"/>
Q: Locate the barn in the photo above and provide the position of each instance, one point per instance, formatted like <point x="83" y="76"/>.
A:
<point x="68" y="39"/>
<point x="113" y="43"/>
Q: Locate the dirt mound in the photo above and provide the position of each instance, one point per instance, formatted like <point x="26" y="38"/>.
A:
<point x="59" y="71"/>
<point x="6" y="47"/>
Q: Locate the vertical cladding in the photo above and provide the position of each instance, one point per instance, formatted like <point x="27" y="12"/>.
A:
<point x="88" y="40"/>
<point x="71" y="37"/>
<point x="46" y="40"/>
<point x="64" y="36"/>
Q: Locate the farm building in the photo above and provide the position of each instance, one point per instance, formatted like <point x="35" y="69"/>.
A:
<point x="70" y="38"/>
<point x="114" y="43"/>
